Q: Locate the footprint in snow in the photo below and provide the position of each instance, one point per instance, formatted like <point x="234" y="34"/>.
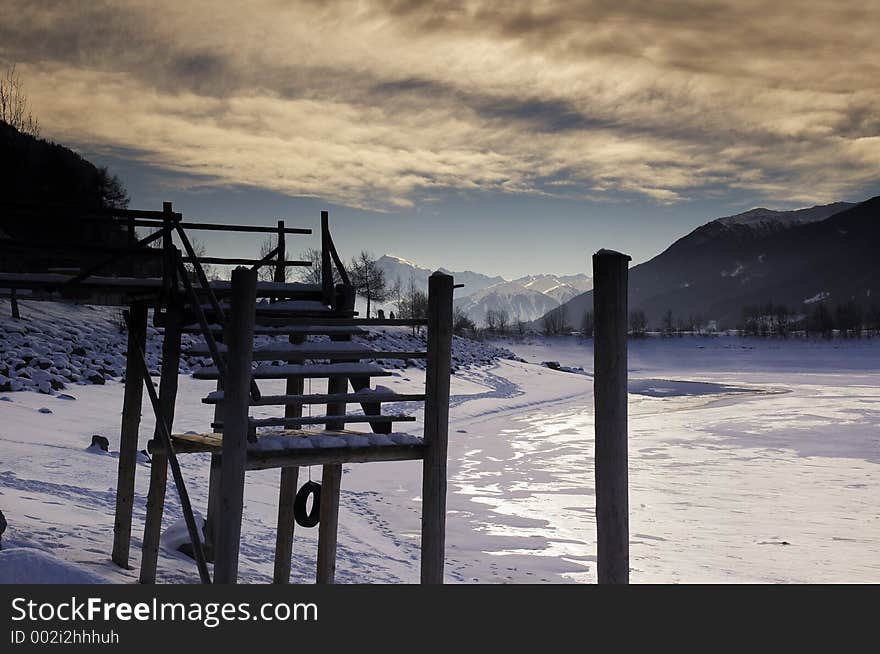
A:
<point x="44" y="410"/>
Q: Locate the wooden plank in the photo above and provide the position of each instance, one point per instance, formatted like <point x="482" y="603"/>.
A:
<point x="610" y="396"/>
<point x="344" y="322"/>
<point x="277" y="400"/>
<point x="235" y="415"/>
<point x="311" y="354"/>
<point x="325" y="420"/>
<point x="286" y="524"/>
<point x="159" y="463"/>
<point x="232" y="261"/>
<point x="304" y="330"/>
<point x="128" y="438"/>
<point x="322" y="371"/>
<point x="331" y="479"/>
<point x="337" y="455"/>
<point x="440" y="289"/>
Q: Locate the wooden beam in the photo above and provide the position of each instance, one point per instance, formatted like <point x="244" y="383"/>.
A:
<point x="610" y="394"/>
<point x="235" y="416"/>
<point x="320" y="398"/>
<point x="288" y="485"/>
<point x="439" y="369"/>
<point x="286" y="524"/>
<point x="159" y="463"/>
<point x="128" y="436"/>
<point x="331" y="479"/>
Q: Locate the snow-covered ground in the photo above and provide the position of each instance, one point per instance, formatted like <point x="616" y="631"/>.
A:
<point x="751" y="460"/>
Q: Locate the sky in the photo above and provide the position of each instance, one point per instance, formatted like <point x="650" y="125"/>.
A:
<point x="503" y="137"/>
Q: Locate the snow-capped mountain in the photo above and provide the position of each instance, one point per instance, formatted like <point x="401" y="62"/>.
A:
<point x="792" y="258"/>
<point x="399" y="268"/>
<point x="560" y="287"/>
<point x="515" y="300"/>
<point x="526" y="298"/>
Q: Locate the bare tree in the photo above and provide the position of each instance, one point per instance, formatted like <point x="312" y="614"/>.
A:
<point x="414" y="304"/>
<point x="368" y="279"/>
<point x="266" y="272"/>
<point x="497" y="321"/>
<point x="638" y="323"/>
<point x="555" y="322"/>
<point x="198" y="247"/>
<point x="587" y="324"/>
<point x="313" y="274"/>
<point x="14" y="106"/>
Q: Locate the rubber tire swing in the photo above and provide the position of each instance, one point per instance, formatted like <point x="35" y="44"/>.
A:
<point x="311" y="518"/>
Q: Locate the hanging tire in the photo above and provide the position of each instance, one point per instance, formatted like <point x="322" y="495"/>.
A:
<point x="311" y="518"/>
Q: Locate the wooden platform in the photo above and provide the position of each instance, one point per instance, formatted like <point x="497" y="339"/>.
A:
<point x="310" y="447"/>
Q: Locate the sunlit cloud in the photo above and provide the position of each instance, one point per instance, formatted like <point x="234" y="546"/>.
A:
<point x="382" y="104"/>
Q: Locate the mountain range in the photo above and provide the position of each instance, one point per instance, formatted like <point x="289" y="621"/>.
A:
<point x="796" y="258"/>
<point x="523" y="299"/>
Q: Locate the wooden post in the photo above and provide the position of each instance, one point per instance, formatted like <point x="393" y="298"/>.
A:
<point x="159" y="463"/>
<point x="326" y="260"/>
<point x="287" y="491"/>
<point x="13" y="303"/>
<point x="610" y="393"/>
<point x="439" y="369"/>
<point x="331" y="480"/>
<point x="331" y="475"/>
<point x="280" y="271"/>
<point x="213" y="514"/>
<point x="235" y="424"/>
<point x="128" y="437"/>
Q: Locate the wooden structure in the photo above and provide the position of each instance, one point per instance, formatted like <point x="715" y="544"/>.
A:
<point x="610" y="271"/>
<point x="317" y="322"/>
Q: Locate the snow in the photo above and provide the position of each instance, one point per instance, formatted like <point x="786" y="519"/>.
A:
<point x="818" y="297"/>
<point x="26" y="565"/>
<point x="737" y="446"/>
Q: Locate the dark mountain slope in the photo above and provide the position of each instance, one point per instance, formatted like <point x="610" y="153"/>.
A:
<point x="791" y="258"/>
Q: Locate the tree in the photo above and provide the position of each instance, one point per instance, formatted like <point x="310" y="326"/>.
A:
<point x="638" y="323"/>
<point x="313" y="274"/>
<point x="497" y="321"/>
<point x="668" y="323"/>
<point x="266" y="272"/>
<point x="821" y="321"/>
<point x="587" y="324"/>
<point x="461" y="324"/>
<point x="555" y="321"/>
<point x="200" y="251"/>
<point x="849" y="317"/>
<point x="14" y="105"/>
<point x="368" y="279"/>
<point x="113" y="193"/>
<point x="413" y="303"/>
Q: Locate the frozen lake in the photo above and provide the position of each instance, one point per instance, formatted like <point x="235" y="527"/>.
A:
<point x="750" y="460"/>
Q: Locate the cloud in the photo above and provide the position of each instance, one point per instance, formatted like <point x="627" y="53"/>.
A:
<point x="382" y="104"/>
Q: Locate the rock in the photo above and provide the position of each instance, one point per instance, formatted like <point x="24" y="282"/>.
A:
<point x="44" y="410"/>
<point x="100" y="442"/>
<point x="94" y="377"/>
<point x="553" y="365"/>
<point x="64" y="396"/>
<point x="3" y="525"/>
<point x="79" y="351"/>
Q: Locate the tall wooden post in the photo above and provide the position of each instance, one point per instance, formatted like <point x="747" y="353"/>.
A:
<point x="287" y="490"/>
<point x="280" y="271"/>
<point x="128" y="438"/>
<point x="159" y="463"/>
<point x="13" y="303"/>
<point x="326" y="260"/>
<point x="331" y="475"/>
<point x="610" y="392"/>
<point x="235" y="424"/>
<point x="439" y="369"/>
<point x="213" y="514"/>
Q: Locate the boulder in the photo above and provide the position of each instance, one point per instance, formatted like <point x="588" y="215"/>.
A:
<point x="100" y="442"/>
